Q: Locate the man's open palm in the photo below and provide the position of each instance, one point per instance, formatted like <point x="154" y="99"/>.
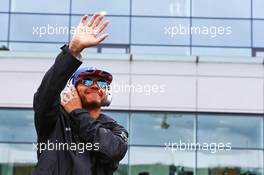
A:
<point x="87" y="35"/>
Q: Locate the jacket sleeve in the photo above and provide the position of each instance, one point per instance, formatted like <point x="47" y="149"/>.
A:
<point x="47" y="98"/>
<point x="112" y="142"/>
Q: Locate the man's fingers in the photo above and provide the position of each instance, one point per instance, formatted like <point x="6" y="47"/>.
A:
<point x="75" y="93"/>
<point x="104" y="25"/>
<point x="102" y="37"/>
<point x="63" y="103"/>
<point x="66" y="98"/>
<point x="67" y="95"/>
<point x="90" y="23"/>
<point x="83" y="20"/>
<point x="72" y="89"/>
<point x="97" y="22"/>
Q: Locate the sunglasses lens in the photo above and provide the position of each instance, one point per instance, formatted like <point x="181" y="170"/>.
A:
<point x="101" y="83"/>
<point x="87" y="82"/>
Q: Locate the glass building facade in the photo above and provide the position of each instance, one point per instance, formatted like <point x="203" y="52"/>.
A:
<point x="178" y="27"/>
<point x="151" y="133"/>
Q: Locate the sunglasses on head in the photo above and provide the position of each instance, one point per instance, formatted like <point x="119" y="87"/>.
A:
<point x="88" y="82"/>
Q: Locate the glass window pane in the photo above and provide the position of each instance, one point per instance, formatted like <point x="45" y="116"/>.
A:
<point x="209" y="32"/>
<point x="17" y="125"/>
<point x="161" y="7"/>
<point x="164" y="50"/>
<point x="258" y="9"/>
<point x="114" y="50"/>
<point x="260" y="54"/>
<point x="234" y="162"/>
<point x="111" y="7"/>
<point x="157" y="161"/>
<point x="159" y="128"/>
<point x="17" y="153"/>
<point x="258" y="36"/>
<point x="242" y="132"/>
<point x="223" y="8"/>
<point x="4" y="5"/>
<point x="47" y="6"/>
<point x="120" y="117"/>
<point x="50" y="28"/>
<point x="117" y="34"/>
<point x="3" y="46"/>
<point x="220" y="51"/>
<point x="4" y="26"/>
<point x="17" y="159"/>
<point x="35" y="47"/>
<point x="167" y="31"/>
<point x="123" y="166"/>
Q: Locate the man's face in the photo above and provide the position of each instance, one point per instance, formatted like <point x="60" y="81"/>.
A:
<point x="91" y="96"/>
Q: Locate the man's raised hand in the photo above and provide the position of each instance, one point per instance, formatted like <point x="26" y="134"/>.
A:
<point x="87" y="35"/>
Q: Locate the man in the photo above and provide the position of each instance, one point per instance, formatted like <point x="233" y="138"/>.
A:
<point x="65" y="125"/>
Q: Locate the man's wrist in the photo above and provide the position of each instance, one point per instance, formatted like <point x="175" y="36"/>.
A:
<point x="79" y="57"/>
<point x="74" y="51"/>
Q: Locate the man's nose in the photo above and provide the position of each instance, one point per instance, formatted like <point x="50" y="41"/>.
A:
<point x="95" y="85"/>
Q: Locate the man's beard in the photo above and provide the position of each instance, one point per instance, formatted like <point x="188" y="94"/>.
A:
<point x="89" y="105"/>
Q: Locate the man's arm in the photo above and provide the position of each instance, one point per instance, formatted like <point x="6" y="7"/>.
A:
<point x="47" y="98"/>
<point x="112" y="142"/>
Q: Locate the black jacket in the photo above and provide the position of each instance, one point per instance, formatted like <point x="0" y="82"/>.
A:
<point x="106" y="139"/>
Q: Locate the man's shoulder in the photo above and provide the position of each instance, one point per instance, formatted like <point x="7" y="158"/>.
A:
<point x="104" y="118"/>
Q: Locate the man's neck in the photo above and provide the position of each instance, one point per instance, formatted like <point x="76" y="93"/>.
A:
<point x="95" y="112"/>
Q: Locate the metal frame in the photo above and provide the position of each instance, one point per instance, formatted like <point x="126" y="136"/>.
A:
<point x="127" y="46"/>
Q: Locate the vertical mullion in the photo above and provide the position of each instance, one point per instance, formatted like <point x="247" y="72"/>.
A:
<point x="190" y="33"/>
<point x="130" y="25"/>
<point x="9" y="25"/>
<point x="251" y="26"/>
<point x="70" y="15"/>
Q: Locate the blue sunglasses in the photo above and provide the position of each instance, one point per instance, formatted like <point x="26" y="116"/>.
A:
<point x="88" y="82"/>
